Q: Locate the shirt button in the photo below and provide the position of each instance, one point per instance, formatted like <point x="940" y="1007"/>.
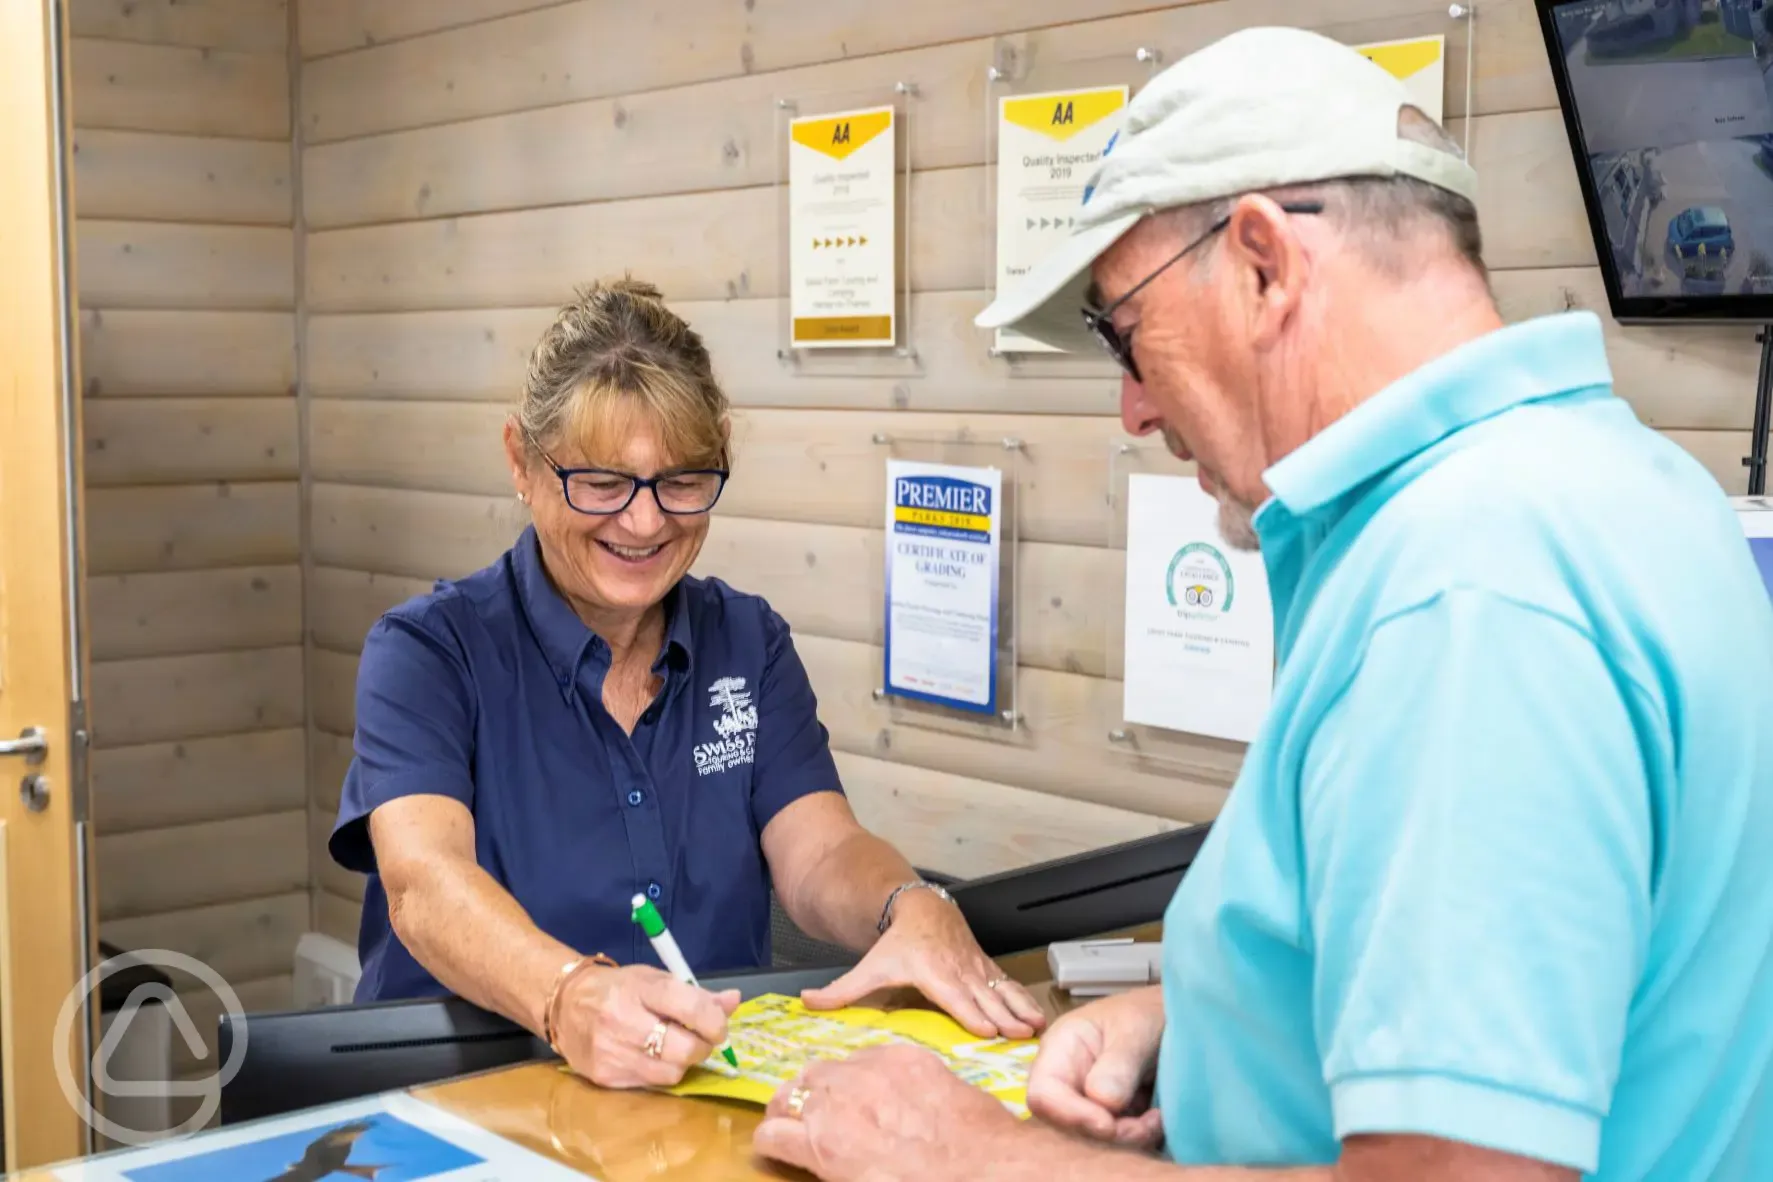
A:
<point x="650" y="717"/>
<point x="653" y="891"/>
<point x="635" y="797"/>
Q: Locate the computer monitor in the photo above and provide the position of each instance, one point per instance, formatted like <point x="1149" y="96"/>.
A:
<point x="1668" y="106"/>
<point x="1106" y="890"/>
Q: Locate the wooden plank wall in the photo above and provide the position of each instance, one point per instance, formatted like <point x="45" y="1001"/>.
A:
<point x="185" y="236"/>
<point x="465" y="163"/>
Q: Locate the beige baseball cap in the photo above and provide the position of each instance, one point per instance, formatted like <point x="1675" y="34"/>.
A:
<point x="1259" y="109"/>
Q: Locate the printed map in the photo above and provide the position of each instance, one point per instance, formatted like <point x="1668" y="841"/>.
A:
<point x="775" y="1037"/>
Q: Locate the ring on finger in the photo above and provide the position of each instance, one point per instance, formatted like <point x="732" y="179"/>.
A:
<point x="995" y="982"/>
<point x="797" y="1099"/>
<point x="655" y="1041"/>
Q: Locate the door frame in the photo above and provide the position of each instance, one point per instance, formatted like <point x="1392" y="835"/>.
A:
<point x="47" y="941"/>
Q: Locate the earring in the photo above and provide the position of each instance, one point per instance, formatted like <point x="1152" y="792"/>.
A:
<point x="523" y="498"/>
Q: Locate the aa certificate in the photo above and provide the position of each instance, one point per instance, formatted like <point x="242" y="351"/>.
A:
<point x="842" y="194"/>
<point x="943" y="537"/>
<point x="1420" y="63"/>
<point x="1200" y="626"/>
<point x="1048" y="147"/>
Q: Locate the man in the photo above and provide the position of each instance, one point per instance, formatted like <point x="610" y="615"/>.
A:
<point x="1492" y="898"/>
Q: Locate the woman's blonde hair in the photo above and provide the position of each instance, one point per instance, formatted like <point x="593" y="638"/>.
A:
<point x="616" y="357"/>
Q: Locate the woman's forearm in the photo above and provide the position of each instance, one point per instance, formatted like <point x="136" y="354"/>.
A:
<point x="840" y="899"/>
<point x="477" y="941"/>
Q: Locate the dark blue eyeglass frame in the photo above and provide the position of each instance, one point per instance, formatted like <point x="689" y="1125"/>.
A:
<point x="635" y="484"/>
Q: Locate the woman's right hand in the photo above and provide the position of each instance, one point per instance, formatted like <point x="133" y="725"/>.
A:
<point x="1094" y="1071"/>
<point x="605" y="1016"/>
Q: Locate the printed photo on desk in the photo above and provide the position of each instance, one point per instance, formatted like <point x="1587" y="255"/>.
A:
<point x="391" y="1138"/>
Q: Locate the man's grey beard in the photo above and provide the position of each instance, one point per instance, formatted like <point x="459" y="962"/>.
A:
<point x="1236" y="520"/>
<point x="1237" y="523"/>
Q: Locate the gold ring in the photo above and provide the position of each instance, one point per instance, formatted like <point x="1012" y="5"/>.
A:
<point x="797" y="1100"/>
<point x="655" y="1041"/>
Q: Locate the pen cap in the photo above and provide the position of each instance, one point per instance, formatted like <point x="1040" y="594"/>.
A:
<point x="648" y="917"/>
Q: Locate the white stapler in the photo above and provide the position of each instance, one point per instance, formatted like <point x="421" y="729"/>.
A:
<point x="1098" y="968"/>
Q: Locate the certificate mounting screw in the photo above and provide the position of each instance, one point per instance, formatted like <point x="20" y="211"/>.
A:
<point x="1012" y="444"/>
<point x="1458" y="11"/>
<point x="1118" y="736"/>
<point x="1146" y="54"/>
<point x="909" y="88"/>
<point x="879" y="694"/>
<point x="994" y="74"/>
<point x="1011" y="717"/>
<point x="881" y="437"/>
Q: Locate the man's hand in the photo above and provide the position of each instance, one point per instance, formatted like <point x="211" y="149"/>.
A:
<point x="1094" y="1072"/>
<point x="884" y="1114"/>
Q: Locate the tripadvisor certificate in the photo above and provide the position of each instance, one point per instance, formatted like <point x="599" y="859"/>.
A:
<point x="943" y="541"/>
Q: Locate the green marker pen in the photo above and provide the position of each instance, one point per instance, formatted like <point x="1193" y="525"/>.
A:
<point x="653" y="924"/>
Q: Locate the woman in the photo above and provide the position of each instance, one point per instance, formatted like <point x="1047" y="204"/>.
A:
<point x="582" y="721"/>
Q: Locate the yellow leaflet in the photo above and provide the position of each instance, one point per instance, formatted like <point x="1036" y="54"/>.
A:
<point x="775" y="1037"/>
<point x="841" y="135"/>
<point x="1401" y="59"/>
<point x="1061" y="116"/>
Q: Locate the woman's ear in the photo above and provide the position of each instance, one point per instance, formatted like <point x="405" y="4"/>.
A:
<point x="517" y="458"/>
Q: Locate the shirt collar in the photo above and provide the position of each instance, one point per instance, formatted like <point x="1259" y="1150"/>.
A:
<point x="564" y="638"/>
<point x="1522" y="363"/>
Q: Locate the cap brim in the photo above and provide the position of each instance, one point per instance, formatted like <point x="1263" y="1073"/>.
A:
<point x="1046" y="304"/>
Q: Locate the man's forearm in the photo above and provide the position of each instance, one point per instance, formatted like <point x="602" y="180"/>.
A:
<point x="470" y="934"/>
<point x="1036" y="1151"/>
<point x="840" y="900"/>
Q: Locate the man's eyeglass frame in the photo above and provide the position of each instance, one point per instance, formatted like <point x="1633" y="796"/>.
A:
<point x="1101" y="321"/>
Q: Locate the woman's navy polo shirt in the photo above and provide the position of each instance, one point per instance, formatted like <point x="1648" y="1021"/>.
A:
<point x="489" y="690"/>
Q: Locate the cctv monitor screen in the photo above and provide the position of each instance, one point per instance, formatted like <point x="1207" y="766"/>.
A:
<point x="1669" y="106"/>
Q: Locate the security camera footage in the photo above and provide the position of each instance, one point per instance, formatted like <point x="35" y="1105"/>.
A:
<point x="1674" y="99"/>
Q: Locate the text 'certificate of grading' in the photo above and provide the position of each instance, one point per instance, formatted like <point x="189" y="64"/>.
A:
<point x="1200" y="626"/>
<point x="942" y="538"/>
<point x="1048" y="147"/>
<point x="842" y="185"/>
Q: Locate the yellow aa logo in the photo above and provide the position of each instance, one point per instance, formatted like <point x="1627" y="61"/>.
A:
<point x="1061" y="116"/>
<point x="839" y="136"/>
<point x="1403" y="59"/>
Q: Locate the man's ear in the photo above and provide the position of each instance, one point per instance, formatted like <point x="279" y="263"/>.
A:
<point x="1262" y="240"/>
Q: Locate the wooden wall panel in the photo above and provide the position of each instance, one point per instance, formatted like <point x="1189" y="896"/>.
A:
<point x="329" y="760"/>
<point x="184" y="189"/>
<point x="186" y="353"/>
<point x="181" y="178"/>
<point x="332" y="26"/>
<point x="253" y="25"/>
<point x="970" y="828"/>
<point x="600" y="48"/>
<point x="192" y="780"/>
<point x="171" y="869"/>
<point x="247" y="940"/>
<point x="181" y="440"/>
<point x="178" y="265"/>
<point x="332" y="689"/>
<point x="191" y="527"/>
<point x="161" y="699"/>
<point x="719" y="135"/>
<point x="182" y="612"/>
<point x="131" y="87"/>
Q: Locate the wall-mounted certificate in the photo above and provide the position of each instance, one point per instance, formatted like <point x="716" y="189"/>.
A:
<point x="943" y="532"/>
<point x="1420" y="63"/>
<point x="1048" y="146"/>
<point x="842" y="242"/>
<point x="1200" y="626"/>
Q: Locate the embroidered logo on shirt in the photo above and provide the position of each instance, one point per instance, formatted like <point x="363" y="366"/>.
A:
<point x="736" y="726"/>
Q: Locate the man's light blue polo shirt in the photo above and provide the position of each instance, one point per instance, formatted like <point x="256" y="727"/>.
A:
<point x="1499" y="867"/>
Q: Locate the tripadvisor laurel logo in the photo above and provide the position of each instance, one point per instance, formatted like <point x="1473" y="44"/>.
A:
<point x="1199" y="581"/>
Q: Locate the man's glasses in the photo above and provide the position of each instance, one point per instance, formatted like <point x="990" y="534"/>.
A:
<point x="603" y="492"/>
<point x="1101" y="321"/>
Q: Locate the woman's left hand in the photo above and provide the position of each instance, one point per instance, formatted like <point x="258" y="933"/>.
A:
<point x="929" y="948"/>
